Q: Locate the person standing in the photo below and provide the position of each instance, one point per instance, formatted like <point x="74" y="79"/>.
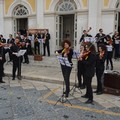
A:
<point x="109" y="45"/>
<point x="100" y="37"/>
<point x="84" y="35"/>
<point x="89" y="59"/>
<point x="80" y="69"/>
<point x="10" y="41"/>
<point x="100" y="61"/>
<point x="46" y="43"/>
<point x="66" y="52"/>
<point x="2" y="60"/>
<point x="16" y="59"/>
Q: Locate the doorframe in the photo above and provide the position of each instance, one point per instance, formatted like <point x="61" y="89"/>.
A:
<point x="57" y="20"/>
<point x="15" y="27"/>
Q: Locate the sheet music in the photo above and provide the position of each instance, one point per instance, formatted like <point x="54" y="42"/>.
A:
<point x="89" y="39"/>
<point x="64" y="61"/>
<point x="40" y="40"/>
<point x="21" y="53"/>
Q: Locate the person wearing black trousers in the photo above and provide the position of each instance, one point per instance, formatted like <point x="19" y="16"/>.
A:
<point x="89" y="59"/>
<point x="2" y="60"/>
<point x="66" y="52"/>
<point x="16" y="60"/>
<point x="46" y="43"/>
<point x="80" y="70"/>
<point x="100" y="61"/>
<point x="109" y="46"/>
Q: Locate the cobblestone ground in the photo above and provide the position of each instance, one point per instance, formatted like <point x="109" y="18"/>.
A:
<point x="30" y="100"/>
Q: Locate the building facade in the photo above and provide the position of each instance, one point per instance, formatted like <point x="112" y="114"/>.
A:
<point x="63" y="18"/>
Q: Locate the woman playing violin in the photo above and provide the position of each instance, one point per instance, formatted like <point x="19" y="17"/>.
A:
<point x="67" y="51"/>
<point x="100" y="61"/>
<point x="89" y="58"/>
<point x="81" y="81"/>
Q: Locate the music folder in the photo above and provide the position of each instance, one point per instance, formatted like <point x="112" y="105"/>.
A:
<point x="64" y="61"/>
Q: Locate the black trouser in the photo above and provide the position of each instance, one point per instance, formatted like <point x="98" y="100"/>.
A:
<point x="1" y="70"/>
<point x="37" y="47"/>
<point x="99" y="75"/>
<point x="26" y="59"/>
<point x="44" y="49"/>
<point x="109" y="58"/>
<point x="80" y="74"/>
<point x="66" y="75"/>
<point x="117" y="53"/>
<point x="16" y="66"/>
<point x="89" y="92"/>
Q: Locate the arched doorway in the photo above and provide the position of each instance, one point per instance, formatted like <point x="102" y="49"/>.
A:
<point x="20" y="19"/>
<point x="117" y="16"/>
<point x="66" y="22"/>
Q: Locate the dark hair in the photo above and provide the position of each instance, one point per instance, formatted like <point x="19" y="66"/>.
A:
<point x="103" y="47"/>
<point x="17" y="38"/>
<point x="66" y="41"/>
<point x="91" y="47"/>
<point x="108" y="36"/>
<point x="100" y="29"/>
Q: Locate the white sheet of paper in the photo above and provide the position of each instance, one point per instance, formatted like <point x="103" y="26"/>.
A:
<point x="21" y="53"/>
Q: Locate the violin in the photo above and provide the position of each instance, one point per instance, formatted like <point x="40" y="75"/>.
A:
<point x="101" y="54"/>
<point x="65" y="51"/>
<point x="85" y="54"/>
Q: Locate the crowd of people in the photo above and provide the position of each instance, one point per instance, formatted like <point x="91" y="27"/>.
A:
<point x="21" y="42"/>
<point x="90" y="61"/>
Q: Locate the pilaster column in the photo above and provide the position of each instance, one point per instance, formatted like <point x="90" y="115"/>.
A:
<point x="94" y="15"/>
<point x="40" y="13"/>
<point x="1" y="17"/>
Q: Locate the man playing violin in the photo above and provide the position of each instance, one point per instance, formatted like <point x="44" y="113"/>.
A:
<point x="16" y="60"/>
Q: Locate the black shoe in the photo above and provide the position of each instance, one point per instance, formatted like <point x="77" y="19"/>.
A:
<point x="2" y="82"/>
<point x="95" y="91"/>
<point x="82" y="87"/>
<point x="84" y="96"/>
<point x="89" y="101"/>
<point x="13" y="78"/>
<point x="99" y="93"/>
<point x="111" y="68"/>
<point x="64" y="92"/>
<point x="66" y="95"/>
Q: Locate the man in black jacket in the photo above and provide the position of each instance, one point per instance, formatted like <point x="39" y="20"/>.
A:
<point x="46" y="43"/>
<point x="2" y="60"/>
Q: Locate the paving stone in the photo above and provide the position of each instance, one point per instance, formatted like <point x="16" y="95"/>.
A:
<point x="6" y="113"/>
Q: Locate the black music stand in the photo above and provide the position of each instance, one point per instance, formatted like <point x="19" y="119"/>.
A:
<point x="63" y="99"/>
<point x="19" y="54"/>
<point x="73" y="89"/>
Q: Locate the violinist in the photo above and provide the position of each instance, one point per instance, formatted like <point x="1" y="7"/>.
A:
<point x="66" y="52"/>
<point x="2" y="61"/>
<point x="16" y="60"/>
<point x="109" y="46"/>
<point x="100" y="61"/>
<point x="25" y="44"/>
<point x="80" y="68"/>
<point x="89" y="58"/>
